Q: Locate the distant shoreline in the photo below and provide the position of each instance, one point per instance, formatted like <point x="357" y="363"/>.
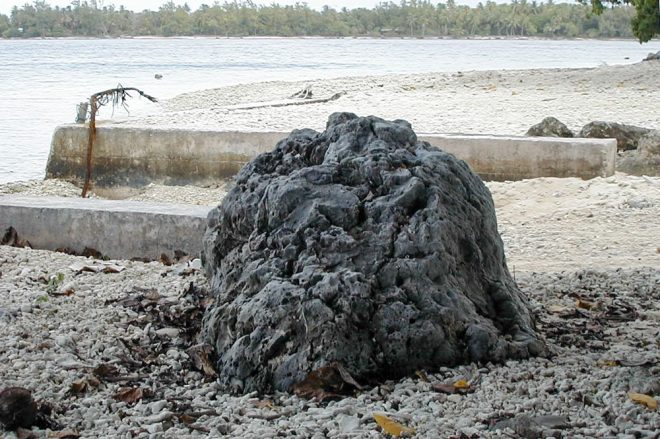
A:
<point x="318" y="37"/>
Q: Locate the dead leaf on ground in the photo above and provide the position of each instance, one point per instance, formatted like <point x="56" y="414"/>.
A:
<point x="560" y="310"/>
<point x="585" y="304"/>
<point x="70" y="291"/>
<point x="165" y="260"/>
<point x="392" y="427"/>
<point x="608" y="363"/>
<point x="65" y="434"/>
<point x="460" y="386"/>
<point x="130" y="395"/>
<point x="264" y="404"/>
<point x="12" y="239"/>
<point x="200" y="354"/>
<point x="332" y="381"/>
<point x="642" y="399"/>
<point x="96" y="267"/>
<point x="79" y="386"/>
<point x="83" y="385"/>
<point x="105" y="370"/>
<point x="89" y="252"/>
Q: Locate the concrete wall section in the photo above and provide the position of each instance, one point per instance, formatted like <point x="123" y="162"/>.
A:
<point x="134" y="157"/>
<point x="138" y="156"/>
<point x="501" y="158"/>
<point x="118" y="229"/>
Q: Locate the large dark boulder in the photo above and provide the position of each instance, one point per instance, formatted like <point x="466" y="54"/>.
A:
<point x="627" y="136"/>
<point x="550" y="127"/>
<point x="363" y="246"/>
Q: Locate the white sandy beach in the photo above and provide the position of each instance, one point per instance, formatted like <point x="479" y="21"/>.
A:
<point x="497" y="102"/>
<point x="566" y="239"/>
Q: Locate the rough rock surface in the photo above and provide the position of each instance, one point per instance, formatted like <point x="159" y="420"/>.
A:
<point x="627" y="136"/>
<point x="550" y="127"/>
<point x="652" y="56"/>
<point x="359" y="245"/>
<point x="645" y="160"/>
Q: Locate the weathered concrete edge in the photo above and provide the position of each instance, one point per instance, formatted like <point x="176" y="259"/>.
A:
<point x="135" y="156"/>
<point x="118" y="229"/>
<point x="501" y="158"/>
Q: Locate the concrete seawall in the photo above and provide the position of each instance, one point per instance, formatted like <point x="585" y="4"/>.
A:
<point x="117" y="229"/>
<point x="133" y="157"/>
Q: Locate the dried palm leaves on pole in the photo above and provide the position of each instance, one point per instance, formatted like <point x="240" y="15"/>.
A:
<point x="118" y="97"/>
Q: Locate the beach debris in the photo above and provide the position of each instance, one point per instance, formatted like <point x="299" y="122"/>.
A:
<point x="118" y="97"/>
<point x="82" y="385"/>
<point x="202" y="355"/>
<point x="305" y="93"/>
<point x="392" y="427"/>
<point x="326" y="246"/>
<point x="17" y="408"/>
<point x="460" y="386"/>
<point x="645" y="400"/>
<point x="332" y="381"/>
<point x="96" y="267"/>
<point x="286" y="103"/>
<point x="550" y="127"/>
<point x="12" y="239"/>
<point x="170" y="325"/>
<point x="65" y="434"/>
<point x="54" y="282"/>
<point x="585" y="304"/>
<point x="131" y="395"/>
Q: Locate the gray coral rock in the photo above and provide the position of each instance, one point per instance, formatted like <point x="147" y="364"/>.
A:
<point x="550" y="127"/>
<point x="627" y="136"/>
<point x="363" y="246"/>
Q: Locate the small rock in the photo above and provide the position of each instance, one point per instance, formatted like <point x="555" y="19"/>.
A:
<point x="157" y="407"/>
<point x="550" y="127"/>
<point x="454" y="398"/>
<point x="168" y="332"/>
<point x="17" y="408"/>
<point x="348" y="424"/>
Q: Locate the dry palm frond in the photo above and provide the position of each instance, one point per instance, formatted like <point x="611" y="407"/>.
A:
<point x="117" y="96"/>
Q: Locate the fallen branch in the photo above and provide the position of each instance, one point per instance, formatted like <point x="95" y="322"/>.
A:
<point x="334" y="97"/>
<point x="118" y="97"/>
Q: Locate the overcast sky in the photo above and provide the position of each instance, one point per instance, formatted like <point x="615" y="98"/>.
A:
<point x="139" y="5"/>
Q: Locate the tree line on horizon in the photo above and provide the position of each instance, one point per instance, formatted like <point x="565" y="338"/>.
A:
<point x="408" y="18"/>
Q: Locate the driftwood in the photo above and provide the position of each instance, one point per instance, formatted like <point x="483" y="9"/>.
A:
<point x="118" y="97"/>
<point x="305" y="93"/>
<point x="334" y="97"/>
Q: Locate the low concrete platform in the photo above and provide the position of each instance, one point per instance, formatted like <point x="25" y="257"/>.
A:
<point x="117" y="229"/>
<point x="134" y="157"/>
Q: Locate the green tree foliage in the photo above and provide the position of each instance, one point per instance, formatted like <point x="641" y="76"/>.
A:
<point x="645" y="23"/>
<point x="407" y="18"/>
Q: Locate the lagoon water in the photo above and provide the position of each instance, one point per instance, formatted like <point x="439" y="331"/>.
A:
<point x="41" y="81"/>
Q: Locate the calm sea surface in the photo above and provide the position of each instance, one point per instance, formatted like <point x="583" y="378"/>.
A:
<point x="41" y="81"/>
